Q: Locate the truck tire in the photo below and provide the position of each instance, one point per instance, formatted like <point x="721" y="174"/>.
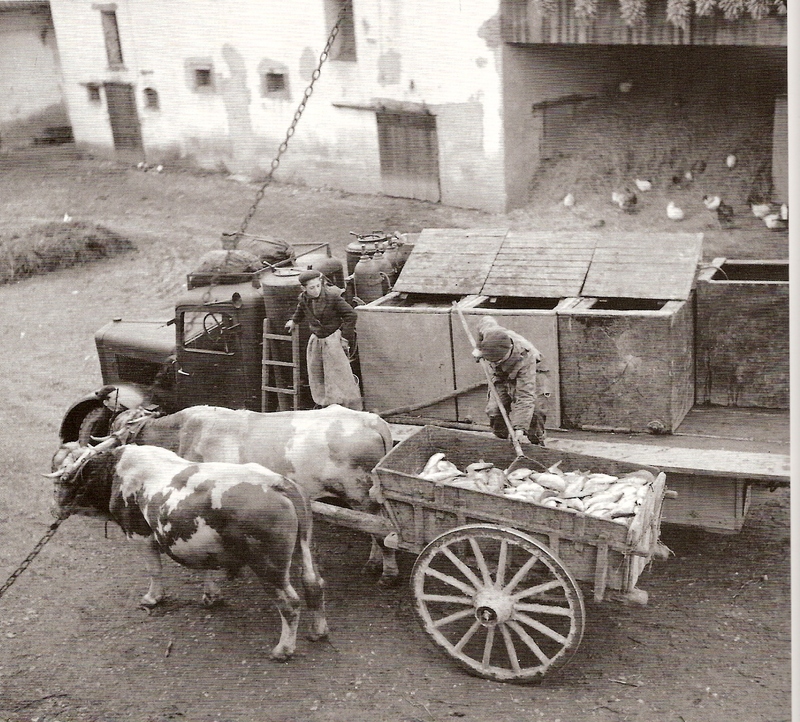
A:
<point x="96" y="423"/>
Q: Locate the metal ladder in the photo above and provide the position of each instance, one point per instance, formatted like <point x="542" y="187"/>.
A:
<point x="268" y="362"/>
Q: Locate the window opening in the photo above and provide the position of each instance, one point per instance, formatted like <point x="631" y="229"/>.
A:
<point x="93" y="92"/>
<point x="207" y="331"/>
<point x="202" y="78"/>
<point x="274" y="82"/>
<point x="111" y="34"/>
<point x="344" y="47"/>
<point x="151" y="98"/>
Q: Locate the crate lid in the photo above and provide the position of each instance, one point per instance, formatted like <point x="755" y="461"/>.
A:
<point x="541" y="264"/>
<point x="644" y="265"/>
<point x="452" y="261"/>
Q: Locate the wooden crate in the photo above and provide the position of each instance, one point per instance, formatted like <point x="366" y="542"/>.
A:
<point x="626" y="364"/>
<point x="406" y="352"/>
<point x="533" y="318"/>
<point x="709" y="502"/>
<point x="742" y="339"/>
<point x="598" y="551"/>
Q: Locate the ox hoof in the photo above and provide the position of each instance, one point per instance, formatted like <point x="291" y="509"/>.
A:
<point x="280" y="655"/>
<point x="318" y="636"/>
<point x="372" y="568"/>
<point x="148" y="602"/>
<point x="389" y="582"/>
<point x="210" y="602"/>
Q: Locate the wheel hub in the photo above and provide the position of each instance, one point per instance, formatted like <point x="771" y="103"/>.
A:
<point x="493" y="607"/>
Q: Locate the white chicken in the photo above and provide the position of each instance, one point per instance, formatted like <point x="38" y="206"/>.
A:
<point x="774" y="222"/>
<point x="625" y="199"/>
<point x="730" y="161"/>
<point x="711" y="202"/>
<point x="784" y="212"/>
<point x="674" y="213"/>
<point x="760" y="210"/>
<point x="569" y="200"/>
<point x="643" y="185"/>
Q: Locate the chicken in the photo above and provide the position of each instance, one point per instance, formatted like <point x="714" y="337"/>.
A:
<point x="730" y="161"/>
<point x="625" y="199"/>
<point x="784" y="212"/>
<point x="760" y="210"/>
<point x="643" y="185"/>
<point x="698" y="167"/>
<point x="674" y="212"/>
<point x="774" y="222"/>
<point x="569" y="200"/>
<point x="711" y="202"/>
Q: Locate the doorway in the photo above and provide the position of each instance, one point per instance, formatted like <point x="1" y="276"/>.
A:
<point x="409" y="155"/>
<point x="122" y="114"/>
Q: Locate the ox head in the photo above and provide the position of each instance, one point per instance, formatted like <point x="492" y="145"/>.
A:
<point x="71" y="480"/>
<point x="85" y="488"/>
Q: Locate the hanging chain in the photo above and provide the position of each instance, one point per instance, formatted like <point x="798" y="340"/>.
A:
<point x="300" y="108"/>
<point x="22" y="567"/>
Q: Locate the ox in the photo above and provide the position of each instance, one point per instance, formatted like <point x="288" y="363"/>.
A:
<point x="330" y="452"/>
<point x="204" y="516"/>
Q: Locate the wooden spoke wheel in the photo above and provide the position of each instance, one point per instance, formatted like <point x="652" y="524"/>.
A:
<point x="498" y="602"/>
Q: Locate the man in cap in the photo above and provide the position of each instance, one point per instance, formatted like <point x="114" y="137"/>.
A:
<point x="513" y="360"/>
<point x="332" y="323"/>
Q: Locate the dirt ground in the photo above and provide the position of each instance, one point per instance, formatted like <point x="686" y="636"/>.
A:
<point x="712" y="645"/>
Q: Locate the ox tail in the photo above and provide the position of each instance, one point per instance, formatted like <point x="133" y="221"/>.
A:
<point x="313" y="583"/>
<point x="302" y="506"/>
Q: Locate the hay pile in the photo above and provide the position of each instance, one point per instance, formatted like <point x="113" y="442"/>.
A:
<point x="50" y="246"/>
<point x="614" y="141"/>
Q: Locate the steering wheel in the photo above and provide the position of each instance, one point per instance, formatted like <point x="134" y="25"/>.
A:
<point x="213" y="326"/>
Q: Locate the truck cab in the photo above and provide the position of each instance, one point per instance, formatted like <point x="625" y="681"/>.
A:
<point x="209" y="352"/>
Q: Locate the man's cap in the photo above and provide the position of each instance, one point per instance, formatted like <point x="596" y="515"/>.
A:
<point x="307" y="276"/>
<point x="495" y="345"/>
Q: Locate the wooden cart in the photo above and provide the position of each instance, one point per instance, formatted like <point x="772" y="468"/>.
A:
<point x="497" y="582"/>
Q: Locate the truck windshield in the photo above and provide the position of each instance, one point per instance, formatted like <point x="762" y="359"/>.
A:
<point x="207" y="331"/>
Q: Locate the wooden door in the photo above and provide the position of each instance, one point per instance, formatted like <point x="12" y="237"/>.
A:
<point x="122" y="114"/>
<point x="409" y="153"/>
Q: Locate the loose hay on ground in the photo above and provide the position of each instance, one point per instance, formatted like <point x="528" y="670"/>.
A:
<point x="50" y="246"/>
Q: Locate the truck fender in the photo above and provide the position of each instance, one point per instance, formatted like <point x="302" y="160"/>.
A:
<point x="114" y="397"/>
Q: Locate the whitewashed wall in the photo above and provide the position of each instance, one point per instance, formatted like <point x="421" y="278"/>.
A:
<point x="30" y="81"/>
<point x="444" y="54"/>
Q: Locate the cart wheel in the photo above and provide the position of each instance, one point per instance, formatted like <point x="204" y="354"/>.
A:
<point x="498" y="602"/>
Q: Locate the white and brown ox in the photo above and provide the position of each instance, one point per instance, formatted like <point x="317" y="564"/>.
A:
<point x="205" y="516"/>
<point x="330" y="452"/>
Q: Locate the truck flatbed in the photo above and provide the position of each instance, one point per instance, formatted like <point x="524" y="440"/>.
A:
<point x="713" y="460"/>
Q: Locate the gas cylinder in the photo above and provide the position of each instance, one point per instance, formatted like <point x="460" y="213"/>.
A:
<point x="385" y="266"/>
<point x="357" y="249"/>
<point x="281" y="288"/>
<point x="369" y="279"/>
<point x="331" y="268"/>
